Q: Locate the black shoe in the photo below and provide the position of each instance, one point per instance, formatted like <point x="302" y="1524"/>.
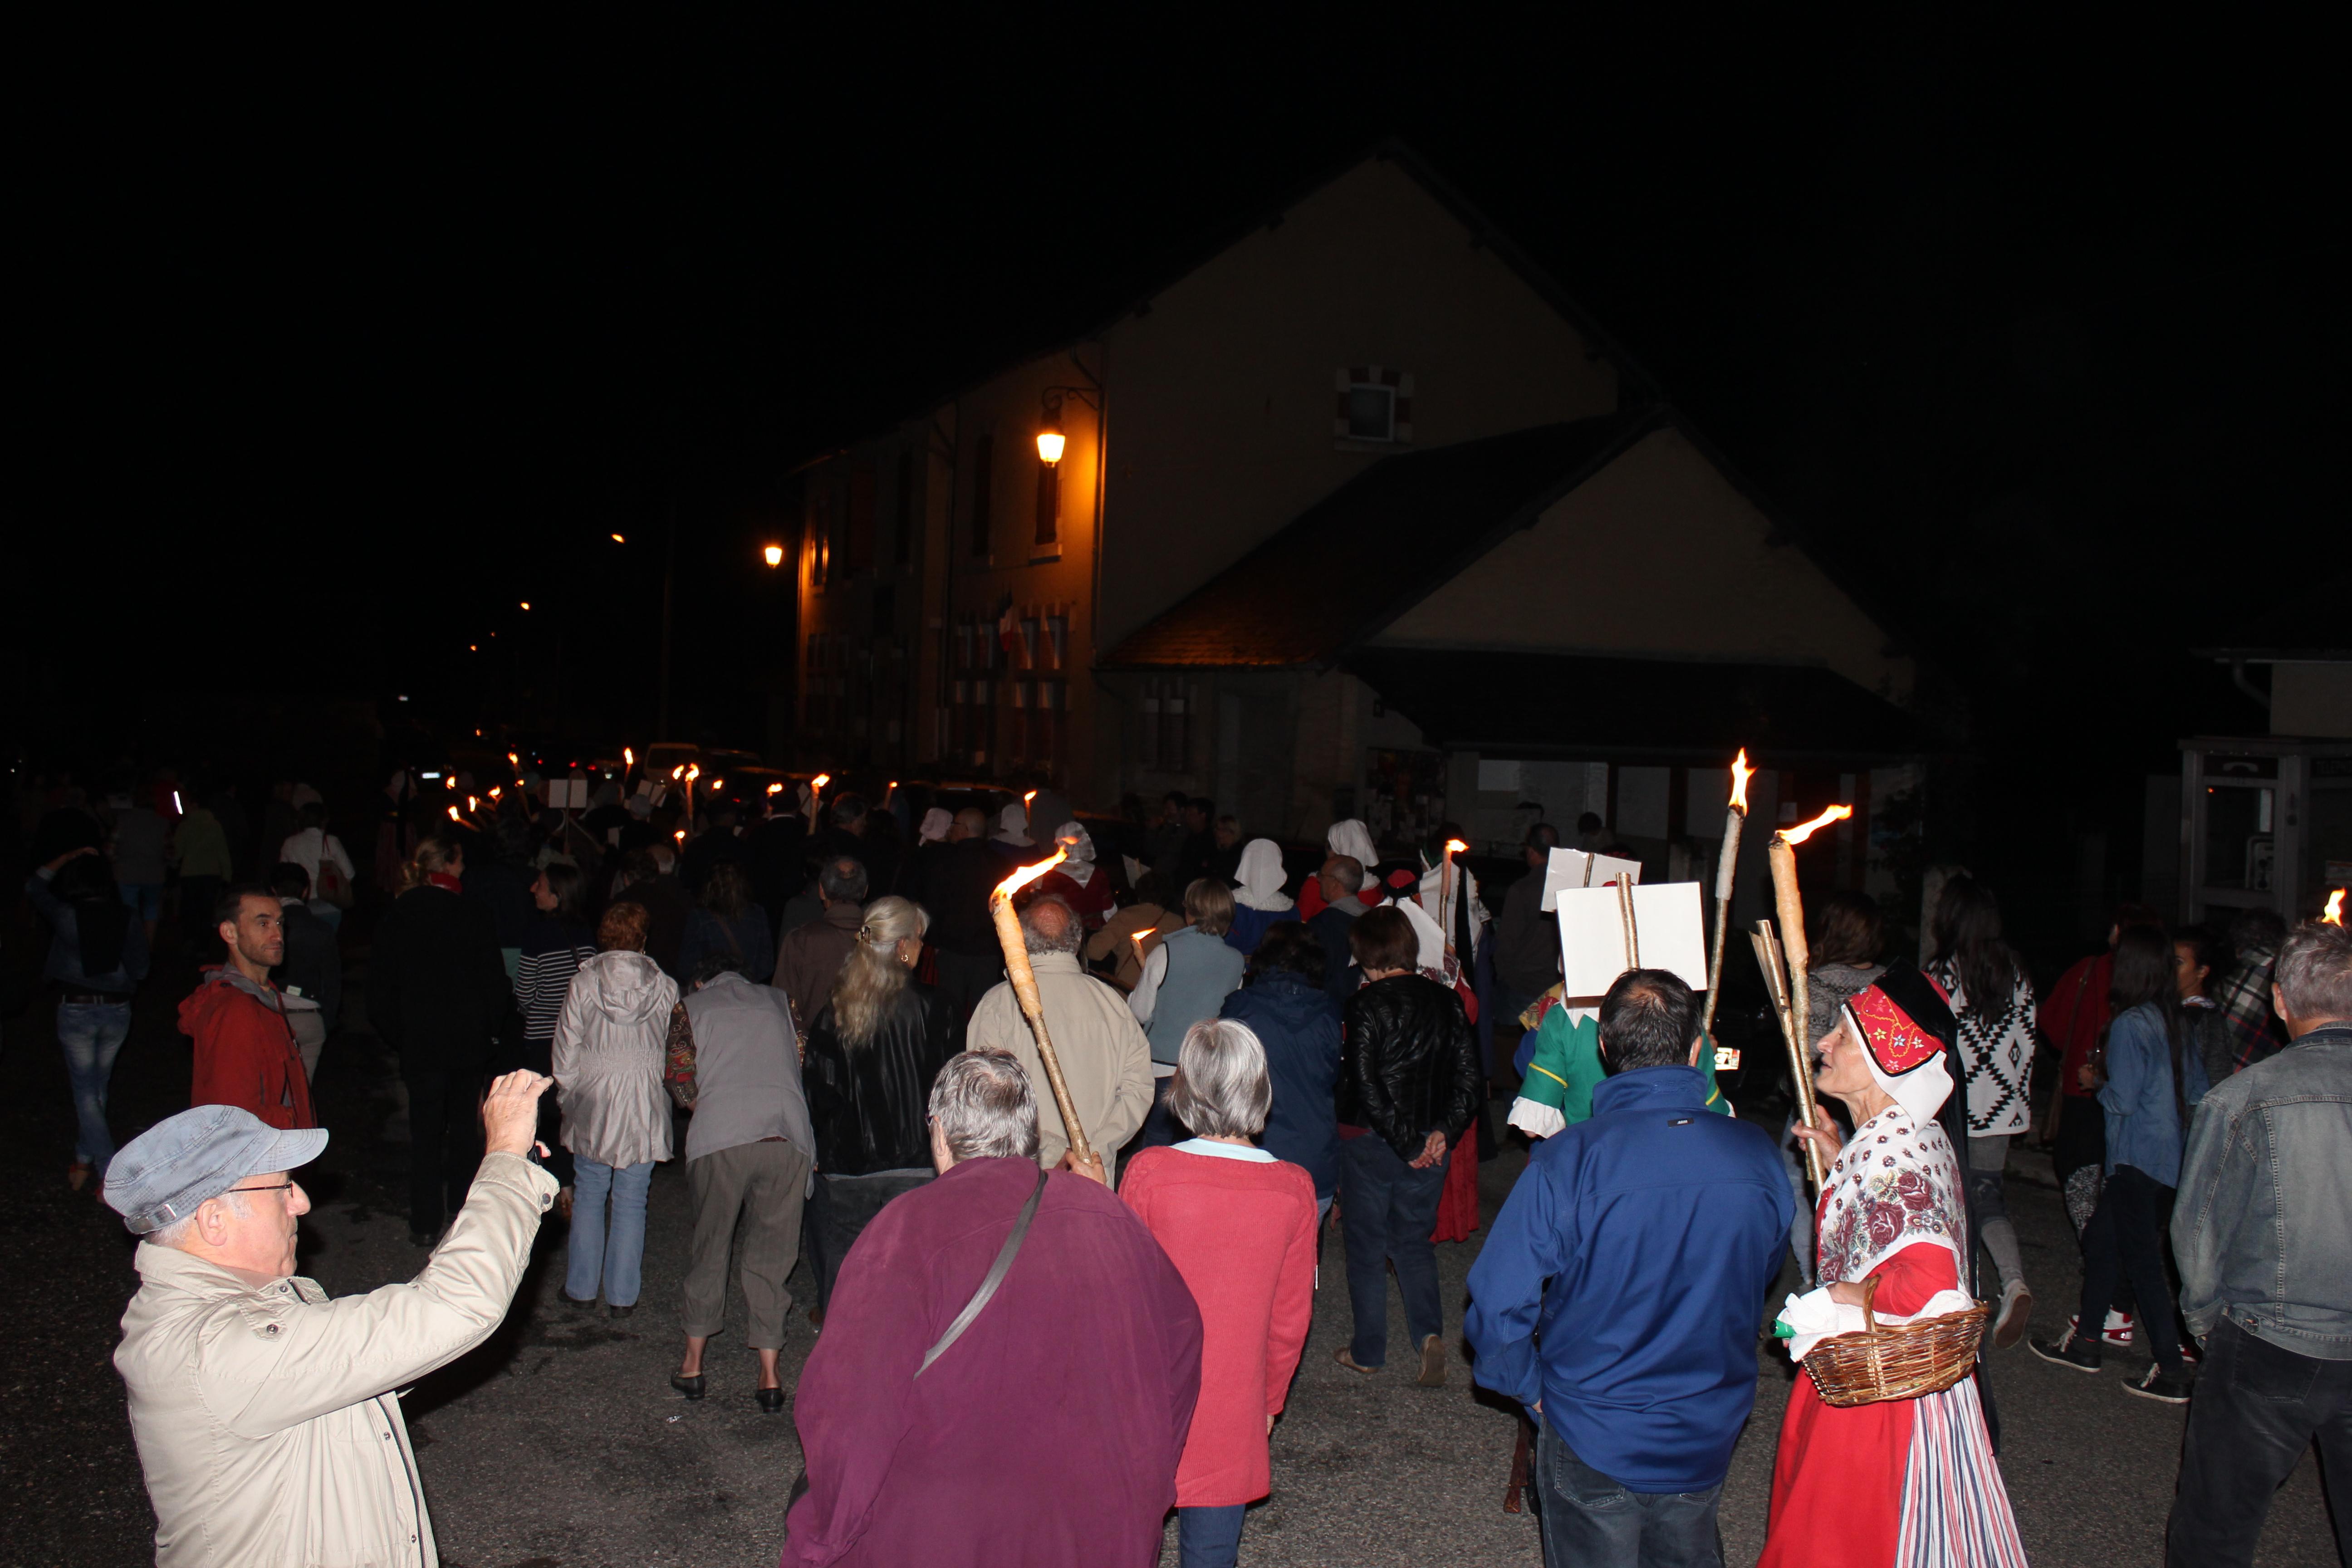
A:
<point x="770" y="1399"/>
<point x="689" y="1386"/>
<point x="2167" y="1388"/>
<point x="2067" y="1352"/>
<point x="620" y="1311"/>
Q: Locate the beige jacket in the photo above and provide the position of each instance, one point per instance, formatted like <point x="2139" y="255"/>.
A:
<point x="1106" y="1059"/>
<point x="266" y="1417"/>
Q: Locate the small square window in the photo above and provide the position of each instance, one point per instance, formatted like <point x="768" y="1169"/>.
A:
<point x="1371" y="414"/>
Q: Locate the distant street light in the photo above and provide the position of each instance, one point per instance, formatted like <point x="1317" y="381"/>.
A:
<point x="618" y="540"/>
<point x="526" y="604"/>
<point x="773" y="554"/>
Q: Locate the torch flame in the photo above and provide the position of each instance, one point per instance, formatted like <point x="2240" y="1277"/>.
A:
<point x="1740" y="774"/>
<point x="1805" y="830"/>
<point x="819" y="781"/>
<point x="513" y="761"/>
<point x="628" y="758"/>
<point x="2333" y="914"/>
<point x="679" y="834"/>
<point x="1027" y="798"/>
<point x="449" y="782"/>
<point x="1026" y="875"/>
<point x="472" y="804"/>
<point x="775" y="789"/>
<point x="452" y="814"/>
<point x="717" y="784"/>
<point x="694" y="773"/>
<point x="494" y="792"/>
<point x="678" y="772"/>
<point x="1455" y="847"/>
<point x="1138" y="938"/>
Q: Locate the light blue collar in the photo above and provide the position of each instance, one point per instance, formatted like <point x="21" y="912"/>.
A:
<point x="1224" y="1150"/>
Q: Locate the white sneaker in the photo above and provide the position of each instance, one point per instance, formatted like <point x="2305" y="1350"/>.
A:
<point x="2009" y="1324"/>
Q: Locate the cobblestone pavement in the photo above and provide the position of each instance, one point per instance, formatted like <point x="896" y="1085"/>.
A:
<point x="560" y="1445"/>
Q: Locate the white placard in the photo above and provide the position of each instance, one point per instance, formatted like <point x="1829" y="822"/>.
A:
<point x="568" y="794"/>
<point x="1575" y="868"/>
<point x="1668" y="924"/>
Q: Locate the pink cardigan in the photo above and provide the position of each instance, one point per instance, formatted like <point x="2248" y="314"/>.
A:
<point x="1242" y="1232"/>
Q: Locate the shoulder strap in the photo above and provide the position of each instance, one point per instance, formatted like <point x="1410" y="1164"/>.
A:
<point x="996" y="1277"/>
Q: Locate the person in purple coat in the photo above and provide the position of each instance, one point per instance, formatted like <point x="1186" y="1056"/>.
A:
<point x="1047" y="1432"/>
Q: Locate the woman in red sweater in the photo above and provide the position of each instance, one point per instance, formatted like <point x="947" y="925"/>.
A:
<point x="1239" y="1224"/>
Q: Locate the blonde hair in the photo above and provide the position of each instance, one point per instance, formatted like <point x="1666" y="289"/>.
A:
<point x="1209" y="904"/>
<point x="872" y="977"/>
<point x="432" y="854"/>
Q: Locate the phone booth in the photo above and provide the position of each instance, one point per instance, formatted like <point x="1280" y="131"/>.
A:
<point x="2265" y="823"/>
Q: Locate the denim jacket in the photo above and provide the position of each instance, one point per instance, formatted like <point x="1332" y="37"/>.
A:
<point x="65" y="945"/>
<point x="2143" y="1122"/>
<point x="2263" y="1228"/>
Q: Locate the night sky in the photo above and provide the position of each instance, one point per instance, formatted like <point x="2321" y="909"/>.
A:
<point x="365" y="339"/>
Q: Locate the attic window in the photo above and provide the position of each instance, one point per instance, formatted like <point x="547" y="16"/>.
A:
<point x="1374" y="406"/>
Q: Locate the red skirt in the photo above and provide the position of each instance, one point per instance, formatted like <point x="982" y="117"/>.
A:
<point x="1458" y="1202"/>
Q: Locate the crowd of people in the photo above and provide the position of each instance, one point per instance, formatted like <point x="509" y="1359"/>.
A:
<point x="805" y="1001"/>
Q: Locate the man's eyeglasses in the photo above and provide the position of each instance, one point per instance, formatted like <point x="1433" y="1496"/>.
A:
<point x="270" y="1188"/>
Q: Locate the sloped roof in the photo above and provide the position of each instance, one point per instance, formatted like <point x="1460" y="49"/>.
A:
<point x="1630" y="710"/>
<point x="1372" y="549"/>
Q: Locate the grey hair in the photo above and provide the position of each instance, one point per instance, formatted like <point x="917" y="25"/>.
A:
<point x="1222" y="1090"/>
<point x="176" y="1234"/>
<point x="843" y="880"/>
<point x="1346" y="870"/>
<point x="983" y="1106"/>
<point x="2313" y="971"/>
<point x="1050" y="925"/>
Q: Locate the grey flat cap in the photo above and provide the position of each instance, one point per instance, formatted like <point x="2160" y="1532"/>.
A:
<point x="160" y="1176"/>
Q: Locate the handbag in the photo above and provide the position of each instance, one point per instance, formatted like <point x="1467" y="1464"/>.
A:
<point x="332" y="885"/>
<point x="990" y="1280"/>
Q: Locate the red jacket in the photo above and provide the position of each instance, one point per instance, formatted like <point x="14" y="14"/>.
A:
<point x="246" y="1053"/>
<point x="2074" y="1014"/>
<point x="1242" y="1232"/>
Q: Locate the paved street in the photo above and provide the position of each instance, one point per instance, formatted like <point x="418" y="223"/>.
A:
<point x="558" y="1444"/>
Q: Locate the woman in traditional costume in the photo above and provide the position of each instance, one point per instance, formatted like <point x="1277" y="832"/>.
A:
<point x="1911" y="1482"/>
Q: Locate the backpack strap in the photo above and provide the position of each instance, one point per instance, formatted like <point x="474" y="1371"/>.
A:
<point x="994" y="1277"/>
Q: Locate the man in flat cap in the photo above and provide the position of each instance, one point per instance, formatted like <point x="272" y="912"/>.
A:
<point x="266" y="1414"/>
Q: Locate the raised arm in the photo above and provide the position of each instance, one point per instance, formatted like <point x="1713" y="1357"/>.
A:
<point x="273" y="1362"/>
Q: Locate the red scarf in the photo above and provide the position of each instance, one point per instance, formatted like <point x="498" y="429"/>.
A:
<point x="445" y="881"/>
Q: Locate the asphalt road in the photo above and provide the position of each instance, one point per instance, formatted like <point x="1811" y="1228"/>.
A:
<point x="560" y="1445"/>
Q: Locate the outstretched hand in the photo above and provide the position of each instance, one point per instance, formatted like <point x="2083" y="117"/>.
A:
<point x="510" y="1113"/>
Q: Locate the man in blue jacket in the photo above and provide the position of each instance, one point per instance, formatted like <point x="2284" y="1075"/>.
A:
<point x="1639" y="1244"/>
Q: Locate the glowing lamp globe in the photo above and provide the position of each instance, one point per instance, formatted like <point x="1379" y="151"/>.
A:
<point x="1049" y="447"/>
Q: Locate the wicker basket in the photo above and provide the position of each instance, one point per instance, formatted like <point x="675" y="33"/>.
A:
<point x="1902" y="1360"/>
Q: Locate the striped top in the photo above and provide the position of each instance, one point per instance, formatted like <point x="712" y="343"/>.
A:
<point x="552" y="953"/>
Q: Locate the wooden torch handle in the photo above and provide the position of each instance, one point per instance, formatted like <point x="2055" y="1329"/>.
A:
<point x="1024" y="989"/>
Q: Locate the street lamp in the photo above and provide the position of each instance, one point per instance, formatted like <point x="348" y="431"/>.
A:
<point x="773" y="554"/>
<point x="1049" y="429"/>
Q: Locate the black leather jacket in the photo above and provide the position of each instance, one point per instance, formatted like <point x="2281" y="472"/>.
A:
<point x="1408" y="1063"/>
<point x="869" y="1103"/>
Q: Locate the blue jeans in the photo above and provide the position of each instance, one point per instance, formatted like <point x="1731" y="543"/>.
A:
<point x="1387" y="1210"/>
<point x="1209" y="1537"/>
<point x="144" y="899"/>
<point x="1588" y="1518"/>
<point x="617" y="1257"/>
<point x="90" y="1033"/>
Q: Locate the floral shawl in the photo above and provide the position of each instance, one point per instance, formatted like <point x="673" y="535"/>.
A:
<point x="1896" y="1182"/>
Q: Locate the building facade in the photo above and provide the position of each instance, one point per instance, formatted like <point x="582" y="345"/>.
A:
<point x="1355" y="517"/>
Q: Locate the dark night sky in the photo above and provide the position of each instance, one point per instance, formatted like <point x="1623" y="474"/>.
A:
<point x="390" y="332"/>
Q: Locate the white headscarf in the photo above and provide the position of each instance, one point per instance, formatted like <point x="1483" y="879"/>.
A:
<point x="1353" y="839"/>
<point x="1261" y="876"/>
<point x="1077" y="847"/>
<point x="1013" y="826"/>
<point x="936" y="823"/>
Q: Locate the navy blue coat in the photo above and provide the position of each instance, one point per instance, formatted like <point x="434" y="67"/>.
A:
<point x="1300" y="1030"/>
<point x="1640" y="1243"/>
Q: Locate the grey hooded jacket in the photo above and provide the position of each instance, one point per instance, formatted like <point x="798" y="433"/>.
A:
<point x="2262" y="1223"/>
